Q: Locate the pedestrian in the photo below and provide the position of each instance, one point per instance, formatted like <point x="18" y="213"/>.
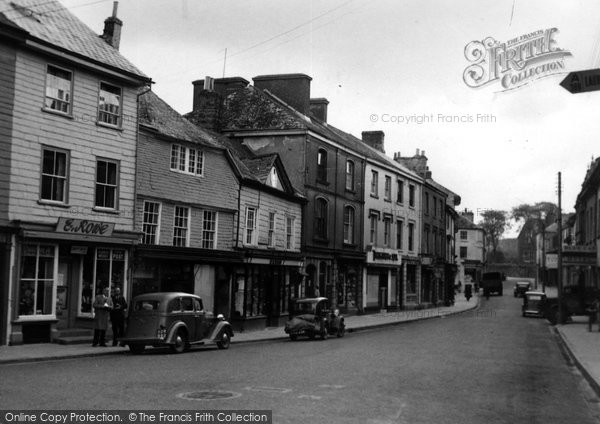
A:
<point x="592" y="312"/>
<point x="468" y="292"/>
<point x="102" y="306"/>
<point x="117" y="315"/>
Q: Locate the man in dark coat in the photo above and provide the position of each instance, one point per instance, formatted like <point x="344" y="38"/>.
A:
<point x="117" y="315"/>
<point x="102" y="306"/>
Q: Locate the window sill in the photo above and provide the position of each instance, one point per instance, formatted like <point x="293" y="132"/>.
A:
<point x="387" y="200"/>
<point x="106" y="210"/>
<point x="58" y="113"/>
<point x="322" y="182"/>
<point x="23" y="319"/>
<point x="350" y="245"/>
<point x="320" y="240"/>
<point x="350" y="191"/>
<point x="110" y="126"/>
<point x="51" y="203"/>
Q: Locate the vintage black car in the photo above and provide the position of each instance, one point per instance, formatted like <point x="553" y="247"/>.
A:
<point x="534" y="304"/>
<point x="173" y="319"/>
<point x="521" y="288"/>
<point x="313" y="317"/>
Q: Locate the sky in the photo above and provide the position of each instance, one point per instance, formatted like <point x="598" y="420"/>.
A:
<point x="398" y="67"/>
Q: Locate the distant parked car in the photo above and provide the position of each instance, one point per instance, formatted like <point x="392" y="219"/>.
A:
<point x="313" y="317"/>
<point x="521" y="287"/>
<point x="173" y="319"/>
<point x="534" y="303"/>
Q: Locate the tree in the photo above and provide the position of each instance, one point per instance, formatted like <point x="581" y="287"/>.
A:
<point x="494" y="223"/>
<point x="540" y="211"/>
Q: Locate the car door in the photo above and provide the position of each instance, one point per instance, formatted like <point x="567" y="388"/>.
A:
<point x="202" y="324"/>
<point x="188" y="317"/>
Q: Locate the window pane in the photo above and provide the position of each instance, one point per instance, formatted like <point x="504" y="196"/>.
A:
<point x="58" y="89"/>
<point x="109" y="106"/>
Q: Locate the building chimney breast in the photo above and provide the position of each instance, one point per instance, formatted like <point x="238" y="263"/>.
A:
<point x="293" y="89"/>
<point x="318" y="109"/>
<point x="374" y="139"/>
<point x="112" y="28"/>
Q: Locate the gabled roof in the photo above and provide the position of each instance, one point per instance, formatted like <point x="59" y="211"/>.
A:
<point x="156" y="114"/>
<point x="449" y="193"/>
<point x="463" y="223"/>
<point x="261" y="166"/>
<point x="50" y="22"/>
<point x="251" y="108"/>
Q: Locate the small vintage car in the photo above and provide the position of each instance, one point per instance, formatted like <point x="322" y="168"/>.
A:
<point x="313" y="317"/>
<point x="534" y="303"/>
<point x="521" y="287"/>
<point x="173" y="319"/>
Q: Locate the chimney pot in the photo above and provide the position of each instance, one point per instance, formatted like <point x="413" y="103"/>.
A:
<point x="112" y="28"/>
<point x="418" y="152"/>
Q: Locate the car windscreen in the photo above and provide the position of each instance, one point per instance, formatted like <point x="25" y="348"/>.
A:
<point x="146" y="305"/>
<point x="534" y="297"/>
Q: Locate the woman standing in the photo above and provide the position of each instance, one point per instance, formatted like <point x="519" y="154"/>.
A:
<point x="102" y="306"/>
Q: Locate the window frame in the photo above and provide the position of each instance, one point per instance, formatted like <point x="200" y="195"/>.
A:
<point x="66" y="178"/>
<point x="271" y="231"/>
<point x="387" y="230"/>
<point x="400" y="192"/>
<point x="387" y="189"/>
<point x="106" y="184"/>
<point x="411" y="195"/>
<point x="374" y="183"/>
<point x="186" y="228"/>
<point x="322" y="165"/>
<point x="373" y="227"/>
<point x="350" y="175"/>
<point x="209" y="235"/>
<point x="250" y="230"/>
<point x="349" y="224"/>
<point x="156" y="225"/>
<point x="184" y="160"/>
<point x="119" y="115"/>
<point x="321" y="218"/>
<point x="69" y="103"/>
<point x="289" y="232"/>
<point x="399" y="234"/>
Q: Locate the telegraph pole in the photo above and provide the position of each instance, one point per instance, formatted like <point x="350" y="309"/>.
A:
<point x="560" y="241"/>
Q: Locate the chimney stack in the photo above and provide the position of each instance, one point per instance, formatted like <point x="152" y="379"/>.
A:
<point x="374" y="139"/>
<point x="293" y="89"/>
<point x="468" y="215"/>
<point x="417" y="163"/>
<point x="318" y="109"/>
<point x="112" y="28"/>
<point x="208" y="97"/>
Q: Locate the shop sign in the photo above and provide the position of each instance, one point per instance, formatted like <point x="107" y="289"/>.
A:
<point x="578" y="260"/>
<point x="382" y="256"/>
<point x="79" y="250"/>
<point x="551" y="260"/>
<point x="84" y="227"/>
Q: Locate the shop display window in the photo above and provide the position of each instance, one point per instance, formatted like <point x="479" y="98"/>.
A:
<point x="38" y="279"/>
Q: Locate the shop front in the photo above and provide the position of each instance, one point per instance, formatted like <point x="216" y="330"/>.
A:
<point x="383" y="279"/>
<point x="263" y="287"/>
<point x="57" y="272"/>
<point x="203" y="272"/>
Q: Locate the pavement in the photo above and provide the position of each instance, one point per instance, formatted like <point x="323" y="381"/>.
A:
<point x="582" y="346"/>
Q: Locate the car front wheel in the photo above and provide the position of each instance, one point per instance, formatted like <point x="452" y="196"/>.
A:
<point x="180" y="342"/>
<point x="225" y="341"/>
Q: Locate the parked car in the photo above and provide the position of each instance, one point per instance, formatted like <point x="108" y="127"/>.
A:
<point x="575" y="300"/>
<point x="313" y="316"/>
<point x="534" y="303"/>
<point x="173" y="319"/>
<point x="521" y="288"/>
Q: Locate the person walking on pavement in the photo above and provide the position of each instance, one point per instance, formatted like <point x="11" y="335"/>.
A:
<point x="592" y="312"/>
<point x="117" y="315"/>
<point x="468" y="292"/>
<point x="102" y="306"/>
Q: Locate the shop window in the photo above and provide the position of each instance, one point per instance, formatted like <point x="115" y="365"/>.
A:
<point x="255" y="292"/>
<point x="36" y="289"/>
<point x="411" y="279"/>
<point x="101" y="268"/>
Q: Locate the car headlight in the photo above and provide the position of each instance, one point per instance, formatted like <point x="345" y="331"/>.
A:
<point x="161" y="334"/>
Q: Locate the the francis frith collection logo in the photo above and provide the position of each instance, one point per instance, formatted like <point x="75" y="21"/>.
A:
<point x="516" y="62"/>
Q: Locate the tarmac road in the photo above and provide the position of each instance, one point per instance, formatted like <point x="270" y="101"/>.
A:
<point x="489" y="365"/>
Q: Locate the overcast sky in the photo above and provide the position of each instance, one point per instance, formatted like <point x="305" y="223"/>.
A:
<point x="375" y="60"/>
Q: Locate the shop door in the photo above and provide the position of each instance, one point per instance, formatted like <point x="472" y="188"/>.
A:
<point x="63" y="290"/>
